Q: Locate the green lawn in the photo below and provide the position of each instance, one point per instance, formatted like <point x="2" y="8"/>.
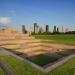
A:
<point x="19" y="68"/>
<point x="65" y="39"/>
<point x="2" y="72"/>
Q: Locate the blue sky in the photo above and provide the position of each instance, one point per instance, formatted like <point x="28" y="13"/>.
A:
<point x="15" y="13"/>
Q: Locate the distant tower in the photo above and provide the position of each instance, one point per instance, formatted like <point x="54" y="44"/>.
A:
<point x="66" y="29"/>
<point x="36" y="28"/>
<point x="47" y="28"/>
<point x="54" y="30"/>
<point x="35" y="24"/>
<point x="57" y="30"/>
<point x="23" y="29"/>
<point x="62" y="29"/>
<point x="40" y="30"/>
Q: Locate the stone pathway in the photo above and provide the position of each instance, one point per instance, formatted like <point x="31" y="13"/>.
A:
<point x="6" y="69"/>
<point x="4" y="52"/>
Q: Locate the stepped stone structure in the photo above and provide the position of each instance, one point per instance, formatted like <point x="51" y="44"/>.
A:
<point x="12" y="39"/>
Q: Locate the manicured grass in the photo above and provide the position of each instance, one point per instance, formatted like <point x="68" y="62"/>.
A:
<point x="65" y="39"/>
<point x="2" y="72"/>
<point x="21" y="68"/>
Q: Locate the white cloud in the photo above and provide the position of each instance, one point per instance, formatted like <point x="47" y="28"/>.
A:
<point x="5" y="20"/>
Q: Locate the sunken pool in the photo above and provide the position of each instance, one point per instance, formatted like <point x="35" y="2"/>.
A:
<point x="49" y="58"/>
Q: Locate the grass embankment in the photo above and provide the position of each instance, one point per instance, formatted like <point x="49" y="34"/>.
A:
<point x="21" y="68"/>
<point x="64" y="39"/>
<point x="2" y="72"/>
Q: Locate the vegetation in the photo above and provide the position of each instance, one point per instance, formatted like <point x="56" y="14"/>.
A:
<point x="2" y="72"/>
<point x="20" y="68"/>
<point x="65" y="39"/>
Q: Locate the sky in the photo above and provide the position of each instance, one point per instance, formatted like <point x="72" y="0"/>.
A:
<point x="15" y="13"/>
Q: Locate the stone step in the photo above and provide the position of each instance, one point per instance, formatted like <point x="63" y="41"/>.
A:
<point x="46" y="48"/>
<point x="33" y="41"/>
<point x="35" y="44"/>
<point x="59" y="46"/>
<point x="35" y="53"/>
<point x="14" y="34"/>
<point x="25" y="38"/>
<point x="10" y="46"/>
<point x="38" y="53"/>
<point x="50" y="49"/>
<point x="22" y="45"/>
<point x="46" y="44"/>
<point x="31" y="44"/>
<point x="11" y="42"/>
<point x="21" y="42"/>
<point x="25" y="50"/>
<point x="4" y="37"/>
<point x="14" y="38"/>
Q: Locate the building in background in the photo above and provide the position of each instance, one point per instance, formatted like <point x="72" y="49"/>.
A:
<point x="55" y="29"/>
<point x="66" y="29"/>
<point x="47" y="28"/>
<point x="41" y="30"/>
<point x="36" y="28"/>
<point x="62" y="29"/>
<point x="58" y="30"/>
<point x="24" y="29"/>
<point x="3" y="27"/>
